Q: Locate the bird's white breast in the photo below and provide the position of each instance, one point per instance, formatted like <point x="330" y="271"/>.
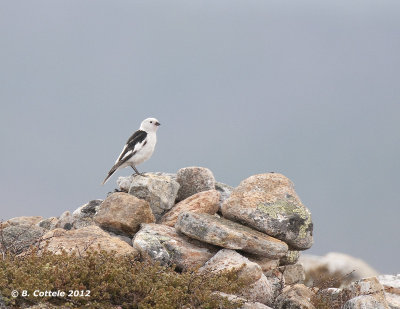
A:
<point x="145" y="152"/>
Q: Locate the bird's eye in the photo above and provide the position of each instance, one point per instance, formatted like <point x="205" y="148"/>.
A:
<point x="151" y="121"/>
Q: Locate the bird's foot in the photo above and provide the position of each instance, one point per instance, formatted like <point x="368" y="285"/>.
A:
<point x="139" y="174"/>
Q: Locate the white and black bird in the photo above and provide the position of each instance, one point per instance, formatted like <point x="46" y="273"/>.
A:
<point x="138" y="148"/>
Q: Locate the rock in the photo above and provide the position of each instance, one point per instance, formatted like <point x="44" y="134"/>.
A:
<point x="224" y="190"/>
<point x="265" y="263"/>
<point x="22" y="221"/>
<point x="202" y="202"/>
<point x="230" y="235"/>
<point x="366" y="287"/>
<point x="364" y="302"/>
<point x="391" y="285"/>
<point x="246" y="304"/>
<point x="49" y="223"/>
<point x="255" y="305"/>
<point x="297" y="296"/>
<point x="261" y="291"/>
<point x="227" y="259"/>
<point x="268" y="203"/>
<point x="290" y="258"/>
<point x="293" y="274"/>
<point x="124" y="183"/>
<point x="122" y="213"/>
<point x="83" y="216"/>
<point x="80" y="240"/>
<point x="127" y="239"/>
<point x="163" y="244"/>
<point x="336" y="264"/>
<point x="159" y="190"/>
<point x="193" y="180"/>
<point x="18" y="238"/>
<point x="65" y="221"/>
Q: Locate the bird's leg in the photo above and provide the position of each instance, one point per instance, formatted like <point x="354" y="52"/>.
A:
<point x="137" y="172"/>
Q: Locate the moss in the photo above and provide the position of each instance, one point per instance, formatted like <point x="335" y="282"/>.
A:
<point x="112" y="281"/>
<point x="283" y="209"/>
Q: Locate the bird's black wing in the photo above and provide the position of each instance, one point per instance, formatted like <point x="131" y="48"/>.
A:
<point x="136" y="138"/>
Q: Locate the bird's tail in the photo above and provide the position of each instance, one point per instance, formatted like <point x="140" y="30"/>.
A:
<point x="112" y="171"/>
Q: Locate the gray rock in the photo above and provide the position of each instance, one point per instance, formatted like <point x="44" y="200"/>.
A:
<point x="163" y="244"/>
<point x="65" y="221"/>
<point x="193" y="180"/>
<point x="391" y="285"/>
<point x="227" y="259"/>
<point x="159" y="190"/>
<point x="268" y="203"/>
<point x="230" y="235"/>
<point x="291" y="257"/>
<point x="366" y="287"/>
<point x="122" y="214"/>
<point x="295" y="297"/>
<point x="265" y="263"/>
<point x="365" y="302"/>
<point x="225" y="191"/>
<point x="293" y="274"/>
<point x="255" y="305"/>
<point x="49" y="223"/>
<point x="18" y="238"/>
<point x="83" y="216"/>
<point x="246" y="304"/>
<point x="124" y="183"/>
<point x="262" y="291"/>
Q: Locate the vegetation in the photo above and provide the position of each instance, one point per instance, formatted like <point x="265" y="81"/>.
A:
<point x="112" y="281"/>
<point x="320" y="280"/>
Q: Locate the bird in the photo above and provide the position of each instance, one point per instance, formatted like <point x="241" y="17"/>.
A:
<point x="139" y="147"/>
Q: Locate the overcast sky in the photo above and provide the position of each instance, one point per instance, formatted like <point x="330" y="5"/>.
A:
<point x="310" y="89"/>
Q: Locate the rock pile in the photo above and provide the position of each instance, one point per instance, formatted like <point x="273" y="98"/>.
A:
<point x="191" y="221"/>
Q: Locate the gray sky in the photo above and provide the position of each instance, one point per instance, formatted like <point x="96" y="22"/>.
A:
<point x="310" y="89"/>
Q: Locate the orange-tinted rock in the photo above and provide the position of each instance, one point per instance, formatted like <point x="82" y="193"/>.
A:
<point x="202" y="202"/>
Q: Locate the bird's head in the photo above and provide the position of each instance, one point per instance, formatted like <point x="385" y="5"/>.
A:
<point x="149" y="125"/>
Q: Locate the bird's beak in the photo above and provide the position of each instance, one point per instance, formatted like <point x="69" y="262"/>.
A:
<point x="157" y="124"/>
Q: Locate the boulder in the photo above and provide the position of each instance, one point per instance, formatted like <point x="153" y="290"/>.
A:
<point x="32" y="220"/>
<point x="163" y="244"/>
<point x="297" y="296"/>
<point x="193" y="180"/>
<point x="366" y="287"/>
<point x="122" y="213"/>
<point x="202" y="202"/>
<point x="224" y="190"/>
<point x="159" y="190"/>
<point x="226" y="260"/>
<point x="18" y="238"/>
<point x="268" y="203"/>
<point x="291" y="257"/>
<point x="246" y="304"/>
<point x="293" y="274"/>
<point x="265" y="263"/>
<point x="364" y="302"/>
<point x="80" y="240"/>
<point x="49" y="223"/>
<point x="65" y="221"/>
<point x="391" y="285"/>
<point x="230" y="235"/>
<point x="83" y="216"/>
<point x="262" y="291"/>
